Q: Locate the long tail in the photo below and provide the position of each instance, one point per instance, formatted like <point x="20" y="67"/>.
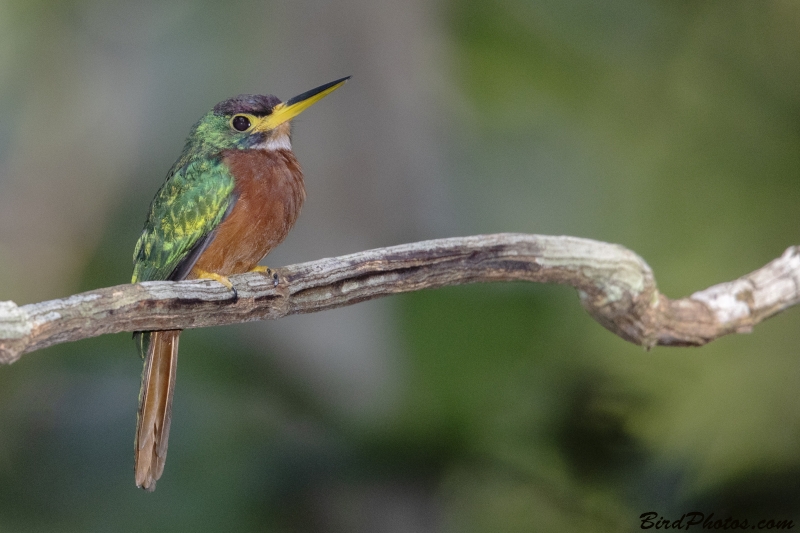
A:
<point x="155" y="405"/>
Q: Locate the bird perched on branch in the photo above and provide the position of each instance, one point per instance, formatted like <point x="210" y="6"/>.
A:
<point x="230" y="198"/>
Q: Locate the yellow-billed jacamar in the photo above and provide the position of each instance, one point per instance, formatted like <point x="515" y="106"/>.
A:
<point x="232" y="196"/>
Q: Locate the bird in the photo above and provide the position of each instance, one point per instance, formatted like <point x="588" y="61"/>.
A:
<point x="232" y="196"/>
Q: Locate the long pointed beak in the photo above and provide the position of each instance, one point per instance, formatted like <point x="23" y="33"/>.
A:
<point x="292" y="107"/>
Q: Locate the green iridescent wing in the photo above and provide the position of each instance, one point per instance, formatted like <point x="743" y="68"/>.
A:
<point x="182" y="219"/>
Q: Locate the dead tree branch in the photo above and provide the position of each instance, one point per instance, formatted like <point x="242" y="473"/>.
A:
<point x="614" y="284"/>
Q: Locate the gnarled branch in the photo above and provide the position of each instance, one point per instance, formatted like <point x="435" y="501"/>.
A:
<point x="615" y="286"/>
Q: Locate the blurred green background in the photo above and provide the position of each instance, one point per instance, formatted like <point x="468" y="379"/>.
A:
<point x="671" y="127"/>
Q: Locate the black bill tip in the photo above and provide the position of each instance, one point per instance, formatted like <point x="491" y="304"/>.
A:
<point x="313" y="92"/>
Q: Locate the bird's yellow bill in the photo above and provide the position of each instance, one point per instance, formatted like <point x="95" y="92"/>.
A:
<point x="292" y="107"/>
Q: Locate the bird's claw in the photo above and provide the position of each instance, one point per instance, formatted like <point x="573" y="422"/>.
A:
<point x="202" y="274"/>
<point x="268" y="272"/>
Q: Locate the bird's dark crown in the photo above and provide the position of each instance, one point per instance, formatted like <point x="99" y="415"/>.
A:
<point x="255" y="104"/>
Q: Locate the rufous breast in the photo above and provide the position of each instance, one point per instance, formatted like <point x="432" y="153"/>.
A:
<point x="270" y="190"/>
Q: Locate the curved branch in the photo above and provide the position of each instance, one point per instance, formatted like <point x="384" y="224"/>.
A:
<point x="615" y="286"/>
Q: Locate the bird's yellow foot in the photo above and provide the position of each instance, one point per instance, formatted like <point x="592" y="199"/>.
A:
<point x="202" y="274"/>
<point x="268" y="271"/>
<point x="263" y="269"/>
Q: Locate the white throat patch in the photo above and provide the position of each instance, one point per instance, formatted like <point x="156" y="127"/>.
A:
<point x="281" y="142"/>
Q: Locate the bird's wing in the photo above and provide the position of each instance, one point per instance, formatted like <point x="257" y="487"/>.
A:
<point x="182" y="220"/>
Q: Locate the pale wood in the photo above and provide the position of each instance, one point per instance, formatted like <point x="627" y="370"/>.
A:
<point x="614" y="284"/>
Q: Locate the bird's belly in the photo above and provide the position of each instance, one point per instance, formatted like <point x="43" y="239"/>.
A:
<point x="271" y="193"/>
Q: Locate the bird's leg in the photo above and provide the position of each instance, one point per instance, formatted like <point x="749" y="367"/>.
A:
<point x="202" y="274"/>
<point x="268" y="271"/>
<point x="263" y="269"/>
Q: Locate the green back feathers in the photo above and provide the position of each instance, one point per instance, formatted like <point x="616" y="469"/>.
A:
<point x="188" y="207"/>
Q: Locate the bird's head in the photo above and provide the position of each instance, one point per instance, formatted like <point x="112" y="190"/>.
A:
<point x="251" y="121"/>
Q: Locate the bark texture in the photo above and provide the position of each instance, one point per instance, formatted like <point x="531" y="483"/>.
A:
<point x="614" y="284"/>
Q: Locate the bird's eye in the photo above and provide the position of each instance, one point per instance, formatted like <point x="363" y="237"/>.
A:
<point x="240" y="123"/>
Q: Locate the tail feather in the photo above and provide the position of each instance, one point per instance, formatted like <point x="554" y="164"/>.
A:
<point x="155" y="405"/>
